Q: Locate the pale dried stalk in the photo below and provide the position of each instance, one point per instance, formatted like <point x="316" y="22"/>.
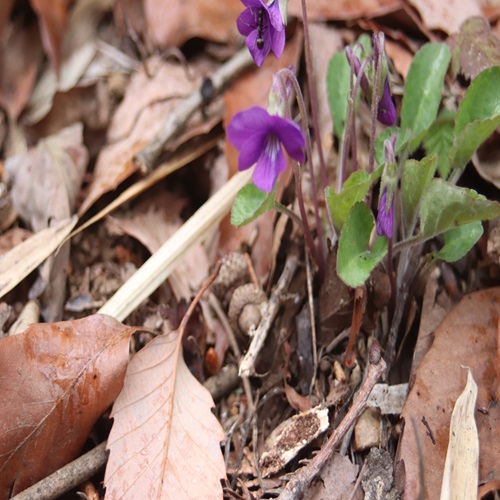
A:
<point x="268" y="315"/>
<point x="301" y="480"/>
<point x="159" y="266"/>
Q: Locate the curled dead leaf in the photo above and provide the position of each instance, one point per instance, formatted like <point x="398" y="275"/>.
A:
<point x="57" y="379"/>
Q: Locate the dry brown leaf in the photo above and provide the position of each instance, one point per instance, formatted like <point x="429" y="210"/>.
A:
<point x="57" y="379"/>
<point x="343" y="9"/>
<point x="165" y="441"/>
<point x="446" y="16"/>
<point x="170" y="23"/>
<point x="466" y="337"/>
<point x="52" y="18"/>
<point x="46" y="179"/>
<point x="148" y="100"/>
<point x="336" y="480"/>
<point x="45" y="183"/>
<point x="153" y="221"/>
<point x="21" y="260"/>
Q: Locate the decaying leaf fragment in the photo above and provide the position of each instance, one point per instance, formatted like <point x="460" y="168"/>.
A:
<point x="291" y="436"/>
<point x="56" y="380"/>
<point x="462" y="459"/>
<point x="165" y="441"/>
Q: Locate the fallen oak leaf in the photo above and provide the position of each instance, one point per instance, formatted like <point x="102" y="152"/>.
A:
<point x="165" y="441"/>
<point x="56" y="380"/>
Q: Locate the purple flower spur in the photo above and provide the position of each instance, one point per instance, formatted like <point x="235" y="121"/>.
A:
<point x="385" y="217"/>
<point x="263" y="27"/>
<point x="260" y="138"/>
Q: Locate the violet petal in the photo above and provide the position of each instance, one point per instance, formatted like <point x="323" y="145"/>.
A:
<point x="269" y="165"/>
<point x="385" y="219"/>
<point x="386" y="112"/>
<point x="290" y="135"/>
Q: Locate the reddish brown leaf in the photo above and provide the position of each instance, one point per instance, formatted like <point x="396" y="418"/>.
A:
<point x="52" y="18"/>
<point x="344" y="9"/>
<point x="5" y="8"/>
<point x="170" y="23"/>
<point x="466" y="337"/>
<point x="56" y="380"/>
<point x="21" y="54"/>
<point x="165" y="440"/>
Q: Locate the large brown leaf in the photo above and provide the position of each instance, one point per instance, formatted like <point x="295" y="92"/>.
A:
<point x="466" y="337"/>
<point x="165" y="441"/>
<point x="56" y="380"/>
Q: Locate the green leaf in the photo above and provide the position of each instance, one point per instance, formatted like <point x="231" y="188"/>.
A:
<point x="445" y="206"/>
<point x="423" y="89"/>
<point x="416" y="177"/>
<point x="458" y="241"/>
<point x="353" y="190"/>
<point x="250" y="203"/>
<point x="482" y="99"/>
<point x="439" y="139"/>
<point x="469" y="139"/>
<point x="402" y="139"/>
<point x="477" y="117"/>
<point x="355" y="261"/>
<point x="337" y="86"/>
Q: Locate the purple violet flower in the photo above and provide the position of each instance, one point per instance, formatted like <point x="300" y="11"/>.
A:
<point x="385" y="216"/>
<point x="259" y="137"/>
<point x="263" y="27"/>
<point x="386" y="112"/>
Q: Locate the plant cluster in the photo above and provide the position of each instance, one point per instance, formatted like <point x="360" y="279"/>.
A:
<point x="414" y="162"/>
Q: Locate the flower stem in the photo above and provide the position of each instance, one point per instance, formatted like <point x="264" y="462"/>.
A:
<point x="375" y="101"/>
<point x="348" y="125"/>
<point x="312" y="94"/>
<point x="318" y="256"/>
<point x="290" y="213"/>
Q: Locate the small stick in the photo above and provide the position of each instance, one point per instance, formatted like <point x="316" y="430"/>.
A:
<point x="214" y="302"/>
<point x="268" y="315"/>
<point x="146" y="157"/>
<point x="301" y="480"/>
<point x="84" y="467"/>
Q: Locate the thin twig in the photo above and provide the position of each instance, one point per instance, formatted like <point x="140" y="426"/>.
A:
<point x="312" y="94"/>
<point x="312" y="319"/>
<point x="301" y="480"/>
<point x="215" y="304"/>
<point x="178" y="118"/>
<point x="268" y="315"/>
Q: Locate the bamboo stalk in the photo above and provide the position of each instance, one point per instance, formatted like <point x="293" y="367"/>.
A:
<point x="159" y="266"/>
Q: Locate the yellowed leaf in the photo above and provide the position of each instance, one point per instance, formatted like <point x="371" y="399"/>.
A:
<point x="462" y="459"/>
